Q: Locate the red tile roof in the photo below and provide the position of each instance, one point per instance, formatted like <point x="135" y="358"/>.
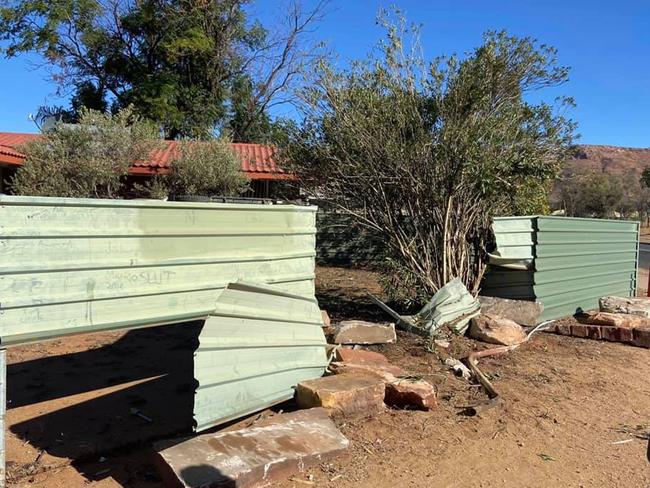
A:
<point x="257" y="159"/>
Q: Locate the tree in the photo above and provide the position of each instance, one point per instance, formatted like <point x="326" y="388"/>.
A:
<point x="174" y="61"/>
<point x="591" y="194"/>
<point x="604" y="195"/>
<point x="88" y="159"/>
<point x="425" y="153"/>
<point x="645" y="177"/>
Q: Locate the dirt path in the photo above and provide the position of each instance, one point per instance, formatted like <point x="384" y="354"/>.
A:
<point x="568" y="400"/>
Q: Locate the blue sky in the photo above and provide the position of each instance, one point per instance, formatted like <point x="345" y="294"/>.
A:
<point x="606" y="44"/>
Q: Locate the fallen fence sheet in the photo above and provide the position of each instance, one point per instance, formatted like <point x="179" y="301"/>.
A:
<point x="84" y="265"/>
<point x="258" y="344"/>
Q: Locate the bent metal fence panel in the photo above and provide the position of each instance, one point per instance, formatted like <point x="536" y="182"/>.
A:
<point x="255" y="347"/>
<point x="85" y="265"/>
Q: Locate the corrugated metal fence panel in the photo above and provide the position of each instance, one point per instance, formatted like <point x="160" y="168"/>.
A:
<point x="577" y="261"/>
<point x="253" y="350"/>
<point x="514" y="237"/>
<point x="509" y="283"/>
<point x="342" y="242"/>
<point x="76" y="265"/>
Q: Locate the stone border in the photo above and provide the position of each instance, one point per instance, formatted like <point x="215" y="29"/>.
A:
<point x="639" y="337"/>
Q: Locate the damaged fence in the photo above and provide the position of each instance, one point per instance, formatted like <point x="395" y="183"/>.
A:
<point x="82" y="265"/>
<point x="565" y="263"/>
<point x="255" y="347"/>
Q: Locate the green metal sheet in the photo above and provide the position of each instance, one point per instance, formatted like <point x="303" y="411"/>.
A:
<point x="81" y="265"/>
<point x="254" y="348"/>
<point x="576" y="261"/>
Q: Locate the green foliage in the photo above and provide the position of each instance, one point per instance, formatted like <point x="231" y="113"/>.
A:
<point x="645" y="177"/>
<point x="193" y="67"/>
<point x="88" y="159"/>
<point x="209" y="168"/>
<point x="603" y="195"/>
<point x="244" y="124"/>
<point x="173" y="61"/>
<point x="425" y="153"/>
<point x="530" y="198"/>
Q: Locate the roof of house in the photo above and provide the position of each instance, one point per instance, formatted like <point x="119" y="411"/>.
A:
<point x="257" y="159"/>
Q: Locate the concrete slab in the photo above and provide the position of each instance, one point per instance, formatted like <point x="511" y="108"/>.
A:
<point x="283" y="445"/>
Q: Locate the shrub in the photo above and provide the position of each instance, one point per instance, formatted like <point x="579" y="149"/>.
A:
<point x="84" y="160"/>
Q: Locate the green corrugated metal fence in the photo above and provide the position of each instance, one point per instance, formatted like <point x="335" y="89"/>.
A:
<point x="340" y="241"/>
<point x="576" y="261"/>
<point x="258" y="344"/>
<point x="82" y="265"/>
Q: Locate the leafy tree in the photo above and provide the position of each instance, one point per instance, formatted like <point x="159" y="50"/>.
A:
<point x="425" y="153"/>
<point x="245" y="125"/>
<point x="604" y="195"/>
<point x="645" y="177"/>
<point x="591" y="195"/>
<point x="88" y="159"/>
<point x="175" y="61"/>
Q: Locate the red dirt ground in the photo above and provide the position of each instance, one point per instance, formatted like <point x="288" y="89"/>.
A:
<point x="567" y="401"/>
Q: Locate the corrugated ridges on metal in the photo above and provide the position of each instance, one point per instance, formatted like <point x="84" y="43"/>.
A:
<point x="78" y="265"/>
<point x="576" y="261"/>
<point x="258" y="344"/>
<point x="514" y="237"/>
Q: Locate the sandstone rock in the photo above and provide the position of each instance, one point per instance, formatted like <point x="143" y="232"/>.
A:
<point x="632" y="306"/>
<point x="617" y="320"/>
<point x="386" y="372"/>
<point x="359" y="356"/>
<point x="411" y="393"/>
<point x="343" y="394"/>
<point x="362" y="332"/>
<point x="286" y="444"/>
<point x="522" y="312"/>
<point x="496" y="330"/>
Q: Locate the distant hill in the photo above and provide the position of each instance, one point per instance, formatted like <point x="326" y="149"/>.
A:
<point x="608" y="159"/>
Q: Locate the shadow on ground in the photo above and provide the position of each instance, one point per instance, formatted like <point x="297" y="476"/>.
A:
<point x="135" y="390"/>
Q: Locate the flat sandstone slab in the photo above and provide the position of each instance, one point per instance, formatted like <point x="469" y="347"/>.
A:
<point x="347" y="395"/>
<point x="360" y="356"/>
<point x="362" y="332"/>
<point x="284" y="445"/>
<point x="385" y="371"/>
<point x="618" y="320"/>
<point x="632" y="306"/>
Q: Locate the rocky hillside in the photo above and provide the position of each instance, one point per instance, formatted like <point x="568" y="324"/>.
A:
<point x="608" y="159"/>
